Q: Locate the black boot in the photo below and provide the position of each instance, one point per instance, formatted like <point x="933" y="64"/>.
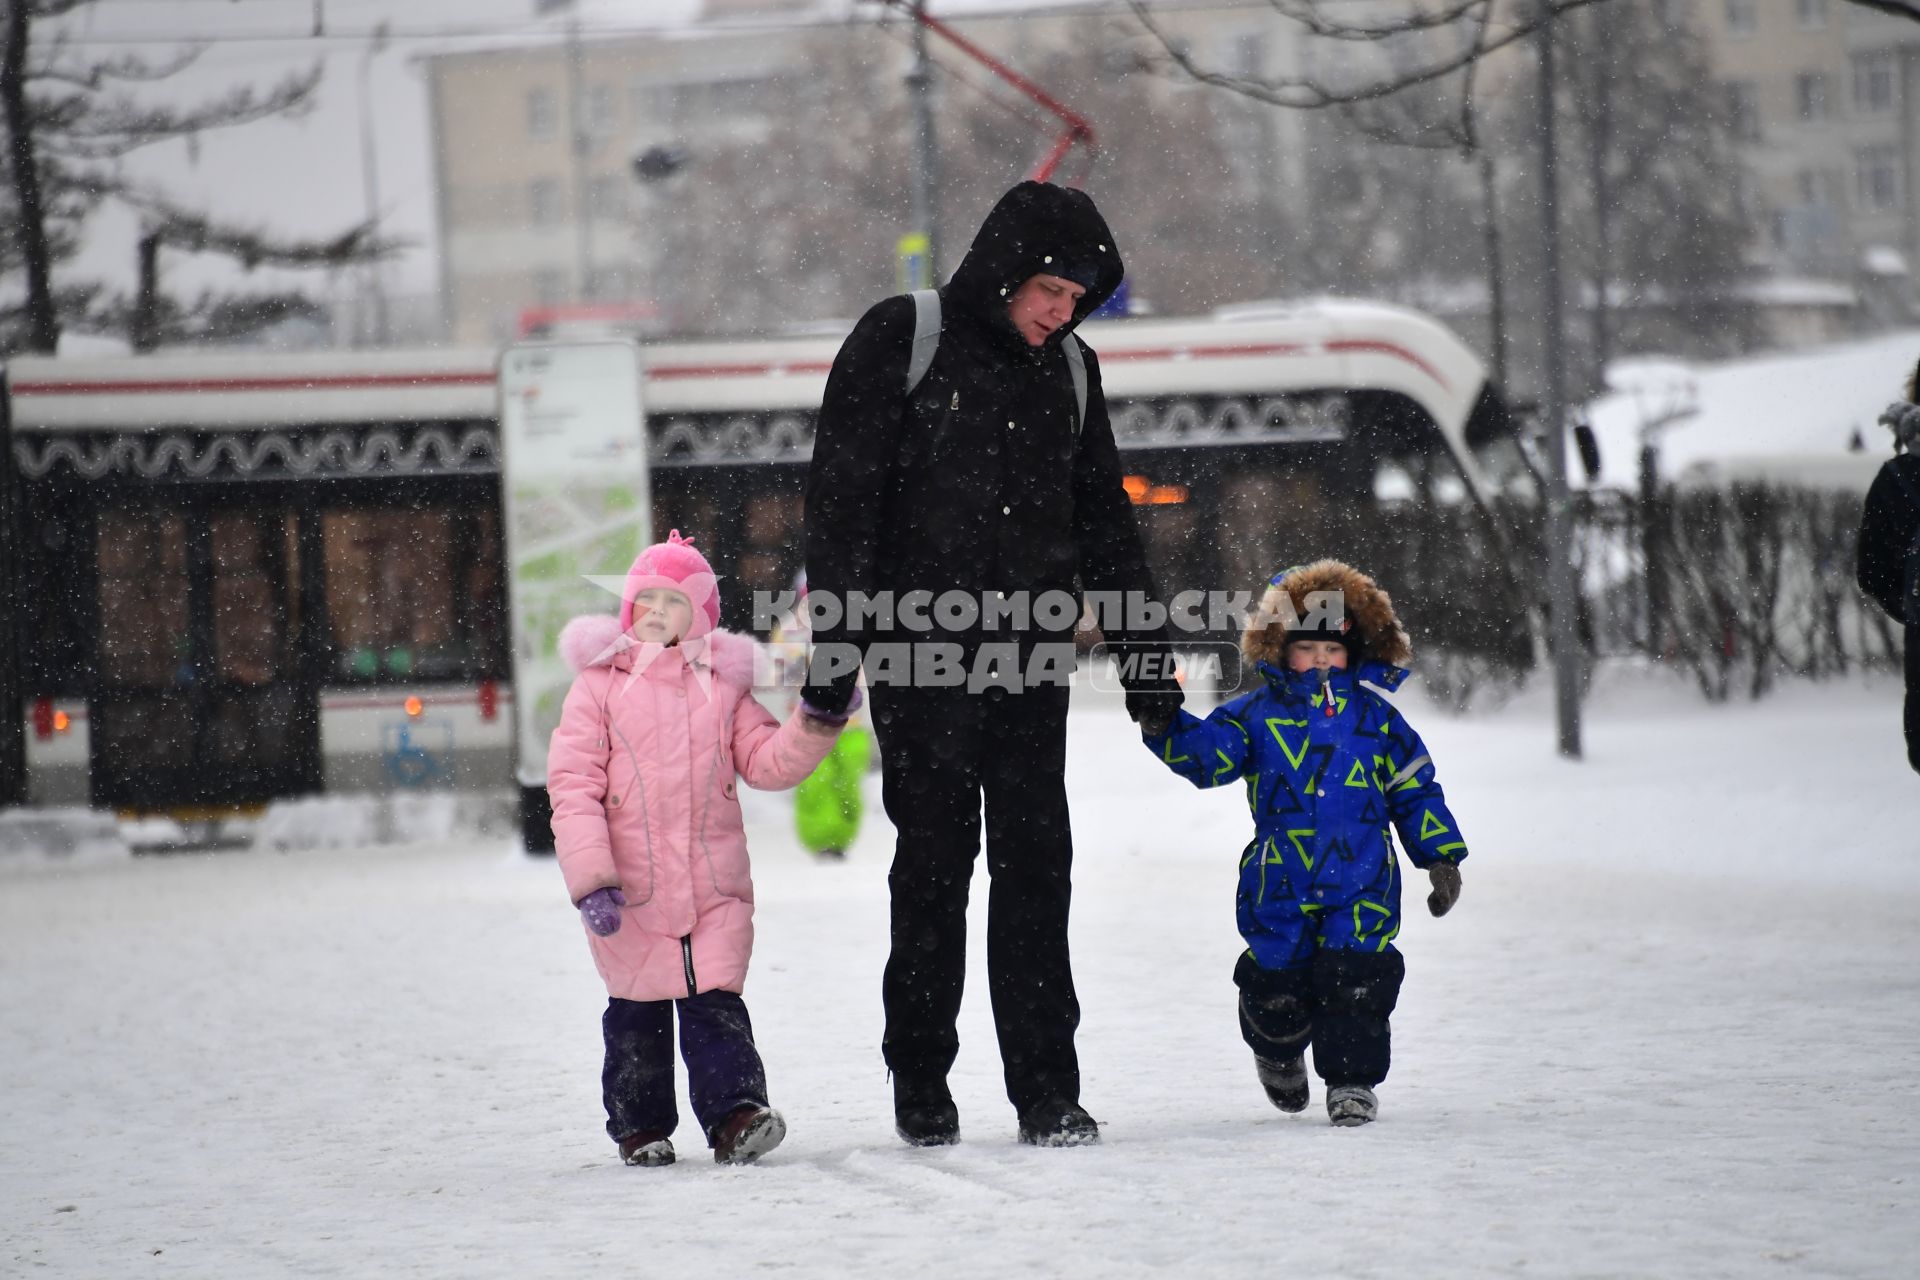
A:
<point x="924" y="1114"/>
<point x="1058" y="1123"/>
<point x="1285" y="1082"/>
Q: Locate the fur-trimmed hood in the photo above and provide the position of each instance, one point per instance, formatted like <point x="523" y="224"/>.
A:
<point x="1361" y="601"/>
<point x="596" y="640"/>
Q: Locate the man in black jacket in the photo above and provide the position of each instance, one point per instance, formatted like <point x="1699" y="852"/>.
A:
<point x="983" y="484"/>
<point x="1888" y="564"/>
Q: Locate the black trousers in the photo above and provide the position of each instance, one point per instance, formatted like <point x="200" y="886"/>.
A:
<point x="943" y="753"/>
<point x="716" y="1039"/>
<point x="1339" y="1002"/>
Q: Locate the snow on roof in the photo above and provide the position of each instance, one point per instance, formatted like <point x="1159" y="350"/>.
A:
<point x="1883" y="260"/>
<point x="1782" y="410"/>
<point x="1848" y="472"/>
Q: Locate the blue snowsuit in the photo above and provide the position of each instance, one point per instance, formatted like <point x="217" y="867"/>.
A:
<point x="1319" y="892"/>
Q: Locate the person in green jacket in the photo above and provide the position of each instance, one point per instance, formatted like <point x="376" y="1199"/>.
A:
<point x="827" y="806"/>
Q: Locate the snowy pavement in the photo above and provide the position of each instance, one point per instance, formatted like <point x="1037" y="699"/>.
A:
<point x="1670" y="1031"/>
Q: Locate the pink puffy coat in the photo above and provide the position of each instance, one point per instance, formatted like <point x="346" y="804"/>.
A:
<point x="643" y="772"/>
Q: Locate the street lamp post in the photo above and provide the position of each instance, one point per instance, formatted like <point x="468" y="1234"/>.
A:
<point x="374" y="284"/>
<point x="926" y="169"/>
<point x="1561" y="589"/>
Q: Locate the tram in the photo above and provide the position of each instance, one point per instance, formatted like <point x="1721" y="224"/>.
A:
<point x="248" y="576"/>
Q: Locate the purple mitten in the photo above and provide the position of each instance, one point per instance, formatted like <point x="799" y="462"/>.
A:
<point x="835" y="719"/>
<point x="601" y="910"/>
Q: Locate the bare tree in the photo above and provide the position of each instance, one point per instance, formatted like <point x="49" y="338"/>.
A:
<point x="1654" y="221"/>
<point x="151" y="319"/>
<point x="70" y="117"/>
<point x="1413" y="46"/>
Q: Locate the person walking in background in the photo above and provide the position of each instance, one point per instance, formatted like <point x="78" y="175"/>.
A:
<point x="827" y="805"/>
<point x="1330" y="764"/>
<point x="659" y="723"/>
<point x="986" y="475"/>
<point x="1888" y="563"/>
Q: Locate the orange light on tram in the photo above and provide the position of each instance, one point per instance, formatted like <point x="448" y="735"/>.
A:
<point x="415" y="707"/>
<point x="62" y="722"/>
<point x="1143" y="492"/>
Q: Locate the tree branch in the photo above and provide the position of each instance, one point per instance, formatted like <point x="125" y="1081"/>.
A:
<point x="1312" y="94"/>
<point x="120" y="126"/>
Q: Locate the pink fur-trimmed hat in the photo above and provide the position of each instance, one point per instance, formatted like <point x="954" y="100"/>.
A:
<point x="676" y="565"/>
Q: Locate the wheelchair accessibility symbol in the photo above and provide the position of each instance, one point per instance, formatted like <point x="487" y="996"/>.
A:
<point x="417" y="754"/>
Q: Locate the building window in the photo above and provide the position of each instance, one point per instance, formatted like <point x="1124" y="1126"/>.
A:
<point x="1812" y="13"/>
<point x="1743" y="17"/>
<point x="597" y="111"/>
<point x="1743" y="110"/>
<point x="1248" y="54"/>
<point x="1874" y="82"/>
<point x="541" y="119"/>
<point x="543" y="199"/>
<point x="1810" y="89"/>
<point x="549" y="287"/>
<point x="652" y="101"/>
<point x="1878" y="181"/>
<point x="607" y="197"/>
<point x="1816" y="188"/>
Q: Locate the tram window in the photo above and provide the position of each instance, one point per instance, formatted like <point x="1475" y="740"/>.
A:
<point x="412" y="594"/>
<point x="250" y="629"/>
<point x="683" y="508"/>
<point x="145" y="628"/>
<point x="770" y="556"/>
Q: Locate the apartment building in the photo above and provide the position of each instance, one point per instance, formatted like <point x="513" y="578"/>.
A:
<point x="1823" y="96"/>
<point x="541" y="203"/>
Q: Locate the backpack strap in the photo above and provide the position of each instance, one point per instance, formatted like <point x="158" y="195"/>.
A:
<point x="1077" y="370"/>
<point x="926" y="341"/>
<point x="926" y="336"/>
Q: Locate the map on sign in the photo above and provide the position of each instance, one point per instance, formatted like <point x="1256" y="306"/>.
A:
<point x="575" y="492"/>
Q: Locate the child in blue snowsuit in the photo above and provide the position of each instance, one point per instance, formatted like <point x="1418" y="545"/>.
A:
<point x="1329" y="765"/>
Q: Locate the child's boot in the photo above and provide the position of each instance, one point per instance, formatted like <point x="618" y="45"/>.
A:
<point x="1351" y="1104"/>
<point x="747" y="1133"/>
<point x="649" y="1148"/>
<point x="1285" y="1082"/>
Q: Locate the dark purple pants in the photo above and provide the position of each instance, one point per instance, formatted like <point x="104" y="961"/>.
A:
<point x="716" y="1039"/>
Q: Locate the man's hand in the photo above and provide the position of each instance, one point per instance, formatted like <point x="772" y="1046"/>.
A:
<point x="822" y="721"/>
<point x="1152" y="709"/>
<point x="1445" y="879"/>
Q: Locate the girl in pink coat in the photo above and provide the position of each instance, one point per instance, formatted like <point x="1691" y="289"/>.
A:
<point x="642" y="770"/>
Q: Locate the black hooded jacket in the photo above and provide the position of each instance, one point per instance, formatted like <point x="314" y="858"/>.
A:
<point x="1888" y="569"/>
<point x="979" y="482"/>
<point x="1888" y="526"/>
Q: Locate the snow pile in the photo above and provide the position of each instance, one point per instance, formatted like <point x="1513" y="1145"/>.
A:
<point x="404" y="817"/>
<point x="62" y="835"/>
<point x="1760" y="415"/>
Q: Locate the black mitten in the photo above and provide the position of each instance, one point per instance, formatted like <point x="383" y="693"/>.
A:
<point x="1445" y="878"/>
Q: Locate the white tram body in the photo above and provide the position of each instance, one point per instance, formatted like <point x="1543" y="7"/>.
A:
<point x="266" y="574"/>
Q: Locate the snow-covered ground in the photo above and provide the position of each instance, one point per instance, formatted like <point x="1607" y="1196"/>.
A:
<point x="1788" y="416"/>
<point x="1670" y="1031"/>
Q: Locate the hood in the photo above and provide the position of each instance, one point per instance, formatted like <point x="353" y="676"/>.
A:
<point x="597" y="640"/>
<point x="1037" y="228"/>
<point x="676" y="565"/>
<point x="1366" y="606"/>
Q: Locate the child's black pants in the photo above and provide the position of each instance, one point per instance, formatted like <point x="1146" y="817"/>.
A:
<point x="1339" y="1002"/>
